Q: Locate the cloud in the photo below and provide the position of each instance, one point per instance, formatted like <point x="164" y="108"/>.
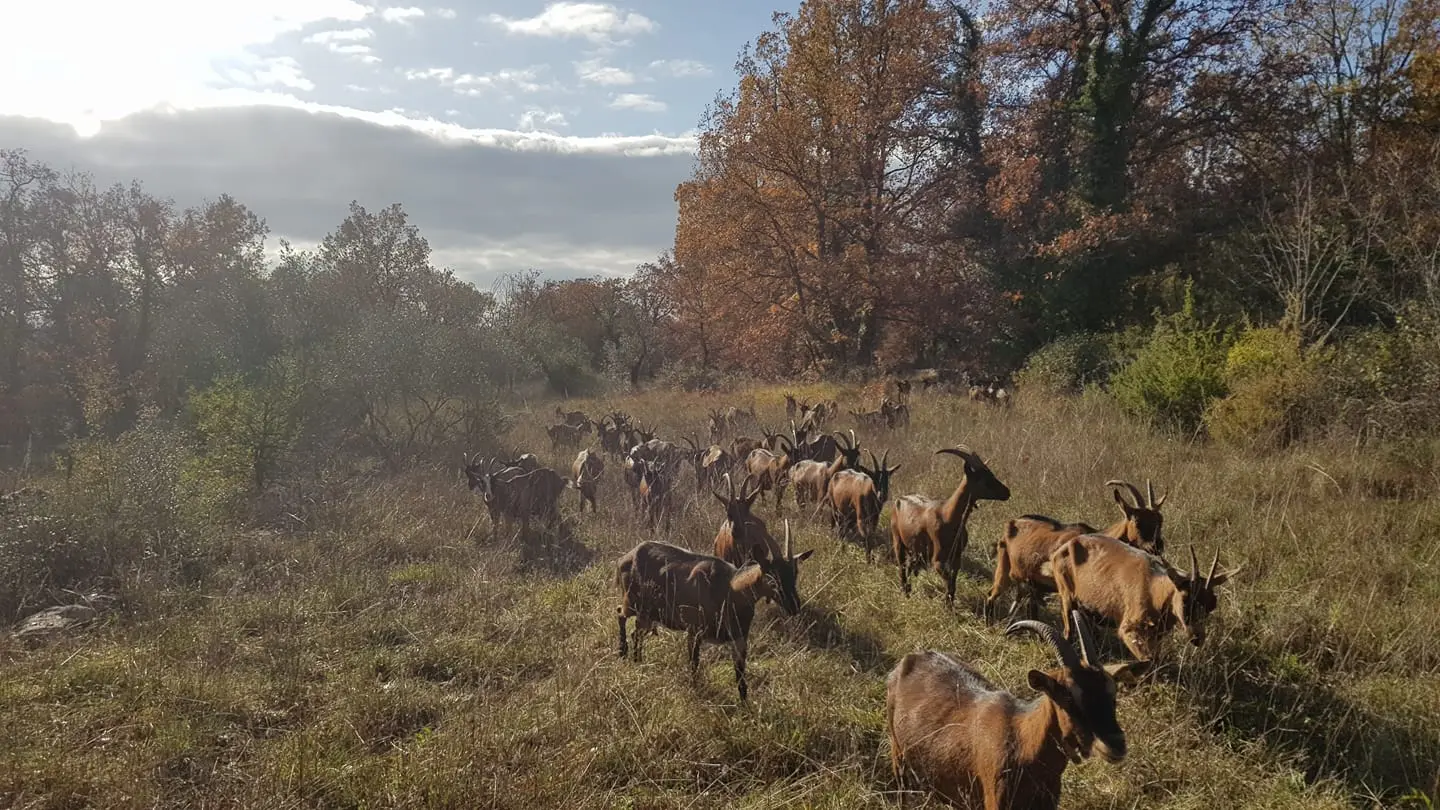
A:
<point x="489" y="201"/>
<point x="122" y="57"/>
<point x="595" y="71"/>
<point x="537" y="120"/>
<point x="445" y="13"/>
<point x="404" y="15"/>
<point x="597" y="22"/>
<point x="275" y="71"/>
<point x="640" y="102"/>
<point x="680" y="68"/>
<point x="524" y="80"/>
<point x="346" y="42"/>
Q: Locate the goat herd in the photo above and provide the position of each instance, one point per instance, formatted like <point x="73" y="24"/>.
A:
<point x="972" y="743"/>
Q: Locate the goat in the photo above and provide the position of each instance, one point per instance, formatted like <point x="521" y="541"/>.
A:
<point x="857" y="496"/>
<point x="743" y="537"/>
<point x="811" y="479"/>
<point x="933" y="530"/>
<point x="566" y="436"/>
<point x="771" y="470"/>
<point x="525" y="461"/>
<point x="511" y="494"/>
<point x="587" y="469"/>
<point x="792" y="406"/>
<point x="1022" y="555"/>
<point x="706" y="597"/>
<point x="611" y="436"/>
<point x="710" y="464"/>
<point x="571" y="418"/>
<point x="1141" y="593"/>
<point x="979" y="746"/>
<point x="654" y="493"/>
<point x="873" y="419"/>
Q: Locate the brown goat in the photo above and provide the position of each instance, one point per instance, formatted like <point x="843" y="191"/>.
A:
<point x="979" y="746"/>
<point x="1022" y="556"/>
<point x="567" y="436"/>
<point x="811" y="479"/>
<point x="706" y="597"/>
<point x="933" y="531"/>
<point x="1141" y="593"/>
<point x="771" y="470"/>
<point x="857" y="497"/>
<point x="587" y="469"/>
<point x="654" y="490"/>
<point x="571" y="418"/>
<point x="743" y="537"/>
<point x="711" y="463"/>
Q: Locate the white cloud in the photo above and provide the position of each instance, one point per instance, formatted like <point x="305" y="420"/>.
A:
<point x="680" y="68"/>
<point x="597" y="22"/>
<point x="445" y="13"/>
<point x="524" y="80"/>
<point x="537" y="120"/>
<point x="595" y="71"/>
<point x="404" y="14"/>
<point x="346" y="42"/>
<point x="130" y="56"/>
<point x="640" y="102"/>
<point x="275" y="71"/>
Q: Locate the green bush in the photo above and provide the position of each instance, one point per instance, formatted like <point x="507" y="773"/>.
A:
<point x="1068" y="364"/>
<point x="1276" y="390"/>
<point x="1177" y="373"/>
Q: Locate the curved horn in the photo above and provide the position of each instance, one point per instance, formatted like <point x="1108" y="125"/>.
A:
<point x="1134" y="490"/>
<point x="958" y="450"/>
<point x="1195" y="567"/>
<point x="885" y="459"/>
<point x="1087" y="642"/>
<point x="1214" y="564"/>
<point x="693" y="446"/>
<point x="875" y="463"/>
<point x="853" y="441"/>
<point x="1068" y="657"/>
<point x="1149" y="494"/>
<point x="788" y="555"/>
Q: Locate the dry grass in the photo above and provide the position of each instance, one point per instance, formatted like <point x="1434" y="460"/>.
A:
<point x="393" y="653"/>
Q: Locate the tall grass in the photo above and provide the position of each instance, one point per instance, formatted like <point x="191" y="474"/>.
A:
<point x="387" y="650"/>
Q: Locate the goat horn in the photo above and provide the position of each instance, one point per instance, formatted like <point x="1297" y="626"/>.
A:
<point x="885" y="458"/>
<point x="1068" y="657"/>
<point x="1149" y="494"/>
<point x="1134" y="490"/>
<point x="1195" y="567"/>
<point x="1087" y="642"/>
<point x="787" y="538"/>
<point x="853" y="442"/>
<point x="1214" y="564"/>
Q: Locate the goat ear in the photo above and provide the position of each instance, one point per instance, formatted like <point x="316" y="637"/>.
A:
<point x="746" y="578"/>
<point x="804" y="555"/>
<point x="1044" y="683"/>
<point x="1223" y="577"/>
<point x="893" y="470"/>
<point x="1128" y="673"/>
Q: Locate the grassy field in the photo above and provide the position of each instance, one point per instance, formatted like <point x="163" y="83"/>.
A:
<point x="386" y="651"/>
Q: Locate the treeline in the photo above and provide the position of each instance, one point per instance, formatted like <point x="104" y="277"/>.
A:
<point x="893" y="184"/>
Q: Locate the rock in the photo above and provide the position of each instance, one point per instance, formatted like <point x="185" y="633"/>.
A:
<point x="51" y="621"/>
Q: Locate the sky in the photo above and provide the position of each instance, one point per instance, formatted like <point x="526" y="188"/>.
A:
<point x="516" y="133"/>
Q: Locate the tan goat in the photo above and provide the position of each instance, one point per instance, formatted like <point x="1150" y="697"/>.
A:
<point x="1022" y="555"/>
<point x="857" y="497"/>
<point x="587" y="469"/>
<point x="979" y="746"/>
<point x="1141" y="593"/>
<point x="811" y="479"/>
<point x="744" y="537"/>
<point x="933" y="531"/>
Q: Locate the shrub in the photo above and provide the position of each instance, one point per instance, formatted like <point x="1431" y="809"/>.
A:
<point x="1276" y="390"/>
<point x="1068" y="364"/>
<point x="1177" y="373"/>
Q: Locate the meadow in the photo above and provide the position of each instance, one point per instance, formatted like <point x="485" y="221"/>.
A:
<point x="372" y="643"/>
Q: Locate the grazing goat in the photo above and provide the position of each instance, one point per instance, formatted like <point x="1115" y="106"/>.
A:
<point x="979" y="746"/>
<point x="706" y="597"/>
<point x="873" y="419"/>
<point x="1022" y="556"/>
<point x="933" y="531"/>
<point x="741" y="446"/>
<point x="857" y="496"/>
<point x="811" y="479"/>
<point x="571" y="418"/>
<point x="587" y="469"/>
<point x="743" y="537"/>
<point x="567" y="436"/>
<point x="770" y="470"/>
<point x="1141" y="593"/>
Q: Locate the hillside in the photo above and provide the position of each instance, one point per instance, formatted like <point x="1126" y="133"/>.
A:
<point x="366" y="641"/>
